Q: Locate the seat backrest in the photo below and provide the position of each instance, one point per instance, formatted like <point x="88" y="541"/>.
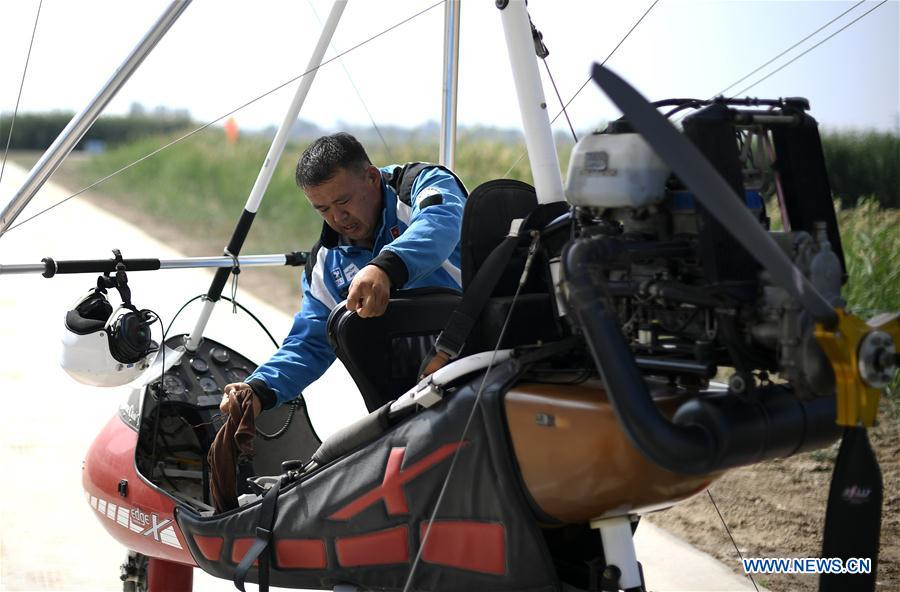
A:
<point x="383" y="354"/>
<point x="490" y="209"/>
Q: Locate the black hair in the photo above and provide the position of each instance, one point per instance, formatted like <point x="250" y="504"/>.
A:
<point x="322" y="159"/>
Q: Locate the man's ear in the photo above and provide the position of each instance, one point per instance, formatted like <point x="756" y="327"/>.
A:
<point x="373" y="175"/>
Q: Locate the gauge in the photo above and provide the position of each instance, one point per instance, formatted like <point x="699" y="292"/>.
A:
<point x="173" y="386"/>
<point x="220" y="355"/>
<point x="208" y="384"/>
<point x="199" y="365"/>
<point x="236" y="374"/>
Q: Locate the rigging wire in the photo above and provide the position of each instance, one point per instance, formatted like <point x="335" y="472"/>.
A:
<point x="542" y="52"/>
<point x="232" y="112"/>
<point x="12" y="123"/>
<point x="582" y="87"/>
<point x="794" y="59"/>
<point x="559" y="98"/>
<point x="789" y="62"/>
<point x="749" y="575"/>
<point x="740" y="80"/>
<point x="355" y="88"/>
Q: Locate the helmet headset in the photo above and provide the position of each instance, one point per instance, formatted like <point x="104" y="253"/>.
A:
<point x="103" y="346"/>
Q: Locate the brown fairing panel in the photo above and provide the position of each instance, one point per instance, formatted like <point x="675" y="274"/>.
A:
<point x="576" y="461"/>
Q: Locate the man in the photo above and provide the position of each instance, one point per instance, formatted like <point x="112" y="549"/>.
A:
<point x="388" y="228"/>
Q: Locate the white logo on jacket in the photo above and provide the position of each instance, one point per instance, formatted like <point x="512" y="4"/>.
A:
<point x="338" y="277"/>
<point x="350" y="271"/>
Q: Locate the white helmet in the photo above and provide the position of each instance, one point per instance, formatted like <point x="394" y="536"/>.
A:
<point x="106" y="347"/>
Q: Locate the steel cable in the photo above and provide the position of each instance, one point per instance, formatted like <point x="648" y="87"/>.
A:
<point x="792" y="60"/>
<point x="12" y="123"/>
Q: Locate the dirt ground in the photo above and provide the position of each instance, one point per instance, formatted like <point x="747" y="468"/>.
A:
<point x="775" y="509"/>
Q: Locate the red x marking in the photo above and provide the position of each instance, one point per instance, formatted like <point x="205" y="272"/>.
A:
<point x="395" y="477"/>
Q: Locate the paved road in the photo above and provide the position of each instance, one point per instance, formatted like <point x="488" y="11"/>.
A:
<point x="49" y="537"/>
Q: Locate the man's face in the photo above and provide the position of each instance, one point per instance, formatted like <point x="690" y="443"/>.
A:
<point x="350" y="202"/>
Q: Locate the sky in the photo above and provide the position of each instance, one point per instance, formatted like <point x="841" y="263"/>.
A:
<point x="223" y="53"/>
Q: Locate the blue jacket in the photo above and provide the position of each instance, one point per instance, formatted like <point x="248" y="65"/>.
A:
<point x="417" y="245"/>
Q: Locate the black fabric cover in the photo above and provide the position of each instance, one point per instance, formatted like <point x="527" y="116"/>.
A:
<point x="351" y="437"/>
<point x="383" y="354"/>
<point x="484" y="488"/>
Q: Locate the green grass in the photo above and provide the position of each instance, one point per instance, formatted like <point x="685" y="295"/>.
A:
<point x="862" y="165"/>
<point x="871" y="242"/>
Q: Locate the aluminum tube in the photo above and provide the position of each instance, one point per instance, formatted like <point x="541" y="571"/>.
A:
<point x="183" y="263"/>
<point x="281" y="137"/>
<point x="198" y="262"/>
<point x="80" y="124"/>
<point x="197" y="334"/>
<point x="450" y="84"/>
<point x="532" y="105"/>
<point x="17" y="269"/>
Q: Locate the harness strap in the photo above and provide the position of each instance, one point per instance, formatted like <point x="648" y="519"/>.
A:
<point x="311" y="262"/>
<point x="452" y="339"/>
<point x="263" y="537"/>
<point x="401" y="179"/>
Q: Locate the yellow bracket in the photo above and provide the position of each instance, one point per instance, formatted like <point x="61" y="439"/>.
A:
<point x="857" y="400"/>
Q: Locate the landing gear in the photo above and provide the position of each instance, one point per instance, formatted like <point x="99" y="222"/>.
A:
<point x="134" y="573"/>
<point x="622" y="568"/>
<point x="149" y="574"/>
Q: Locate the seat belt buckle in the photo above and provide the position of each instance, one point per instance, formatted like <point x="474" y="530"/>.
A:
<point x="451" y="352"/>
<point x="263" y="533"/>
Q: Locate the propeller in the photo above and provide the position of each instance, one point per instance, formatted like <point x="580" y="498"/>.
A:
<point x="853" y="516"/>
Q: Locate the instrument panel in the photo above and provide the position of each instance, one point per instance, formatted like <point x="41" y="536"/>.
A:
<point x="200" y="377"/>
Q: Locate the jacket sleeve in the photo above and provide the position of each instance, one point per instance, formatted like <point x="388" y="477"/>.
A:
<point x="433" y="228"/>
<point x="302" y="358"/>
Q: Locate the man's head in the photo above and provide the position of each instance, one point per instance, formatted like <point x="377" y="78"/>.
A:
<point x="340" y="182"/>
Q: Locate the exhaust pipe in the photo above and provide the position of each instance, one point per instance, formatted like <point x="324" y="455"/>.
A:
<point x="705" y="434"/>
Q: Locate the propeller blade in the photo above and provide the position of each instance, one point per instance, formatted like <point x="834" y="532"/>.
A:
<point x="712" y="191"/>
<point x="853" y="517"/>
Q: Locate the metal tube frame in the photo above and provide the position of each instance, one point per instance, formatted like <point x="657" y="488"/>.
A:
<point x="532" y="104"/>
<point x="81" y="123"/>
<point x="450" y="84"/>
<point x="101" y="265"/>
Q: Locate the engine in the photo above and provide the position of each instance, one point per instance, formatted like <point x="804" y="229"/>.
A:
<point x="690" y="300"/>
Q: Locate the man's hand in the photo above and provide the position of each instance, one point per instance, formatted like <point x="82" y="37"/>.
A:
<point x="370" y="292"/>
<point x="229" y="399"/>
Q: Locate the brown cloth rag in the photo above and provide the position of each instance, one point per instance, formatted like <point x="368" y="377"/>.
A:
<point x="232" y="445"/>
